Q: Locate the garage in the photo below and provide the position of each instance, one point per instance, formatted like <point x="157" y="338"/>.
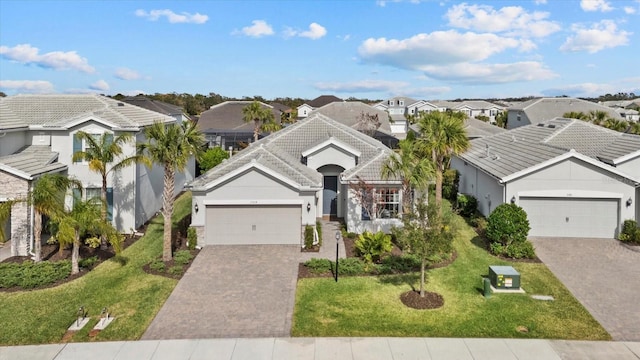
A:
<point x="253" y="224"/>
<point x="572" y="217"/>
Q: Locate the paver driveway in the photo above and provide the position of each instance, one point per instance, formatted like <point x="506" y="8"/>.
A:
<point x="603" y="275"/>
<point x="232" y="291"/>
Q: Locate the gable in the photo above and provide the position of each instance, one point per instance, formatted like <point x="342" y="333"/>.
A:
<point x="250" y="184"/>
<point x="331" y="154"/>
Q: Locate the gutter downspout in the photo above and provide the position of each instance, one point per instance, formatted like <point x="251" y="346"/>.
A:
<point x="31" y="222"/>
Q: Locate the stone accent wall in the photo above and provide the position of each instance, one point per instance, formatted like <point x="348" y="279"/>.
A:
<point x="12" y="187"/>
<point x="200" y="234"/>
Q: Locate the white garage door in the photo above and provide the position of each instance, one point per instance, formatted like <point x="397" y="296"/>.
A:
<point x="251" y="225"/>
<point x="576" y="217"/>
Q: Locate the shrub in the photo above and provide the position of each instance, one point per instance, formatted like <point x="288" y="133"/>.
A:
<point x="450" y="180"/>
<point x="29" y="275"/>
<point x="88" y="263"/>
<point x="157" y="265"/>
<point x="350" y="266"/>
<point x="182" y="257"/>
<point x="521" y="250"/>
<point x="176" y="270"/>
<point x="466" y="205"/>
<point x="308" y="237"/>
<point x="192" y="238"/>
<point x="399" y="264"/>
<point x="319" y="230"/>
<point x="507" y="224"/>
<point x="373" y="246"/>
<point x="319" y="266"/>
<point x="211" y="158"/>
<point x="482" y="118"/>
<point x="630" y="232"/>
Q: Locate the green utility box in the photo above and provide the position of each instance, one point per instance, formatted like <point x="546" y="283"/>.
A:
<point x="504" y="277"/>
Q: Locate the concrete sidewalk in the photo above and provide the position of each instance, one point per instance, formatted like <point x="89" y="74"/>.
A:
<point x="331" y="348"/>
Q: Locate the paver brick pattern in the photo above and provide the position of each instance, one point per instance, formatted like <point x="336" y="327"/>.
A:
<point x="603" y="275"/>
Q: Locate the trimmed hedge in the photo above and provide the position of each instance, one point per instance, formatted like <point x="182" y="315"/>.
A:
<point x="29" y="275"/>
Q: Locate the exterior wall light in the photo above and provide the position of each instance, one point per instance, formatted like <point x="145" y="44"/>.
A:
<point x="513" y="199"/>
<point x="196" y="208"/>
<point x="308" y="206"/>
<point x="629" y="202"/>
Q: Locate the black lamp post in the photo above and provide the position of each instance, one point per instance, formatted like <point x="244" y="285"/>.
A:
<point x="337" y="246"/>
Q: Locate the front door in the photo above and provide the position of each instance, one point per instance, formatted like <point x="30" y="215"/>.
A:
<point x="330" y="196"/>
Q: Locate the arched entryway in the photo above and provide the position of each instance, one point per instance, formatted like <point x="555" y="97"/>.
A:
<point x="332" y="192"/>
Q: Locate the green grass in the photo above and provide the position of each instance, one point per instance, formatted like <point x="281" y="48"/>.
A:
<point x="370" y="306"/>
<point x="131" y="295"/>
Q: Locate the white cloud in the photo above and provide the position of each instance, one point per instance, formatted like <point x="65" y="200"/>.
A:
<point x="57" y="60"/>
<point x="27" y="86"/>
<point x="595" y="5"/>
<point x="99" y="85"/>
<point x="173" y="18"/>
<point x="383" y="3"/>
<point x="600" y="36"/>
<point x="580" y="90"/>
<point x="511" y="20"/>
<point x="629" y="10"/>
<point x="126" y="74"/>
<point x="540" y="2"/>
<point x="361" y="86"/>
<point x="316" y="31"/>
<point x="259" y="29"/>
<point x="473" y="73"/>
<point x="436" y="48"/>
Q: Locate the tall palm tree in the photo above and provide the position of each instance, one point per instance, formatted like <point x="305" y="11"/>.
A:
<point x="83" y="219"/>
<point x="441" y="135"/>
<point x="598" y="117"/>
<point x="170" y="146"/>
<point x="414" y="170"/>
<point x="47" y="199"/>
<point x="262" y="117"/>
<point x="101" y="152"/>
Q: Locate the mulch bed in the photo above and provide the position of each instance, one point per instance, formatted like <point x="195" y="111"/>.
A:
<point x="430" y="300"/>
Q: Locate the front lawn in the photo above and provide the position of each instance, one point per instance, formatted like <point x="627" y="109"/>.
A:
<point x="120" y="284"/>
<point x="370" y="306"/>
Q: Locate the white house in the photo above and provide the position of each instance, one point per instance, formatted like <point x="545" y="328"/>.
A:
<point x="267" y="193"/>
<point x="37" y="136"/>
<point x="574" y="179"/>
<point x="305" y="109"/>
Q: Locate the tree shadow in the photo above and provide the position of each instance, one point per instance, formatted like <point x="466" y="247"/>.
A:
<point x="480" y="242"/>
<point x="403" y="279"/>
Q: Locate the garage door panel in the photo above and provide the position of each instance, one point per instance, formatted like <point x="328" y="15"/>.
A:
<point x="253" y="225"/>
<point x="573" y="217"/>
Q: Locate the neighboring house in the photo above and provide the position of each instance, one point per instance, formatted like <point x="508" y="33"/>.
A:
<point x="398" y="109"/>
<point x="350" y="112"/>
<point x="37" y="136"/>
<point x="223" y="124"/>
<point x="422" y="106"/>
<point x="573" y="178"/>
<point x="474" y="128"/>
<point x="476" y="108"/>
<point x="268" y="192"/>
<point x="543" y="109"/>
<point x="628" y="114"/>
<point x="305" y="109"/>
<point x="161" y="107"/>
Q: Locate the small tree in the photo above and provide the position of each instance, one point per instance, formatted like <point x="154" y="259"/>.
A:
<point x="426" y="232"/>
<point x="212" y="157"/>
<point x="368" y="123"/>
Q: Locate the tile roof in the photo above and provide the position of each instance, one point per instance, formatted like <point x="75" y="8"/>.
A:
<point x="522" y="148"/>
<point x="64" y="110"/>
<point x="543" y="109"/>
<point x="228" y="116"/>
<point x="31" y="161"/>
<point x="323" y="100"/>
<point x="477" y="128"/>
<point x="282" y="153"/>
<point x="348" y="113"/>
<point x="154" y="105"/>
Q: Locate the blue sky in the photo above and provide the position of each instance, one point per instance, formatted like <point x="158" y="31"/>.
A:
<point x="369" y="49"/>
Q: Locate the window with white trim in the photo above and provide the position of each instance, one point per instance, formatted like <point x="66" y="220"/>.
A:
<point x="387" y="203"/>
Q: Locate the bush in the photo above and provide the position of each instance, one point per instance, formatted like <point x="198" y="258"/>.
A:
<point x="450" y="181"/>
<point x="507" y="224"/>
<point x="319" y="266"/>
<point x="350" y="266"/>
<point x="182" y="257"/>
<point x="319" y="230"/>
<point x="176" y="270"/>
<point x="630" y="232"/>
<point x="399" y="264"/>
<point x="192" y="238"/>
<point x="157" y="265"/>
<point x="521" y="250"/>
<point x="211" y="158"/>
<point x="373" y="246"/>
<point x="308" y="237"/>
<point x="466" y="205"/>
<point x="88" y="263"/>
<point x="29" y="275"/>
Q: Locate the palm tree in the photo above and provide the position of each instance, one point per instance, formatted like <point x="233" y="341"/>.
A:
<point x="170" y="146"/>
<point x="634" y="128"/>
<point x="262" y="117"/>
<point x="576" y="115"/>
<point x="101" y="152"/>
<point x="614" y="124"/>
<point x="83" y="219"/>
<point x="441" y="135"/>
<point x="598" y="117"/>
<point x="47" y="198"/>
<point x="414" y="170"/>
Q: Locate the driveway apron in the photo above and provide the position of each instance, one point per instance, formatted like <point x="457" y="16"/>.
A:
<point x="232" y="291"/>
<point x="603" y="275"/>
